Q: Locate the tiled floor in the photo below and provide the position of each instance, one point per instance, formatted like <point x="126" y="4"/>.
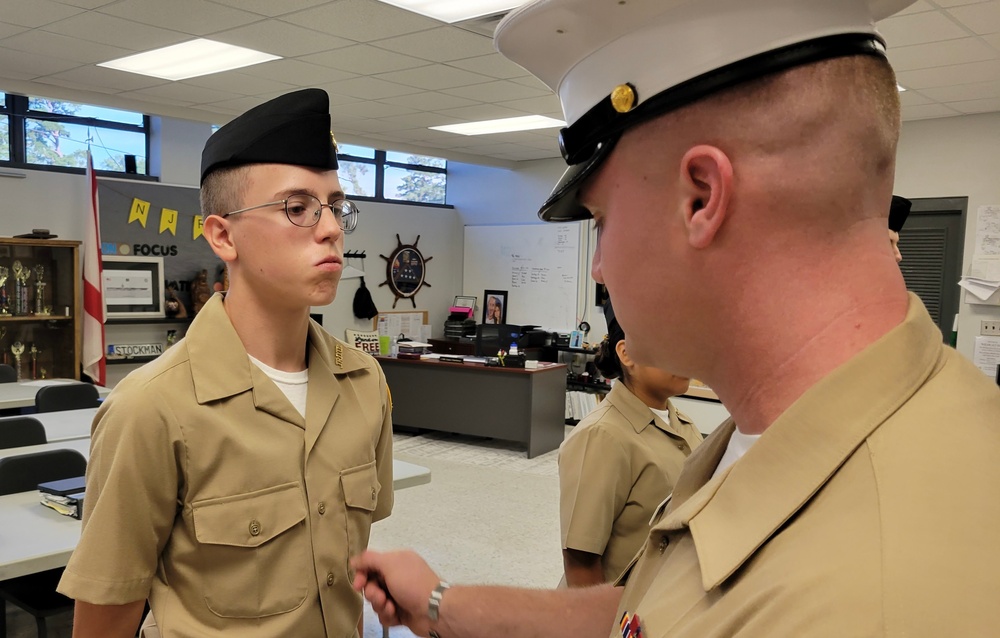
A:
<point x="488" y="515"/>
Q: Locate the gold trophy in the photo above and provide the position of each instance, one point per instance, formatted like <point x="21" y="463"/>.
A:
<point x="18" y="350"/>
<point x="40" y="308"/>
<point x="34" y="361"/>
<point x="4" y="304"/>
<point x="21" y="275"/>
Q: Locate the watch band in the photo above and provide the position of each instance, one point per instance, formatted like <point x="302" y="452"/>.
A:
<point x="434" y="604"/>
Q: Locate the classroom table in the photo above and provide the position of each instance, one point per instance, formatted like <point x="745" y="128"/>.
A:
<point x="34" y="538"/>
<point x="64" y="426"/>
<point x="22" y="394"/>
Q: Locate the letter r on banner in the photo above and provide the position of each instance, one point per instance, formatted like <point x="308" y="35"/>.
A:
<point x="197" y="229"/>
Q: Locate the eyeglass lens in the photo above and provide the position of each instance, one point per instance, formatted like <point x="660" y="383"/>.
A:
<point x="305" y="211"/>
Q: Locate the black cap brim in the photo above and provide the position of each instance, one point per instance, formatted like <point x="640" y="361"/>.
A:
<point x="563" y="205"/>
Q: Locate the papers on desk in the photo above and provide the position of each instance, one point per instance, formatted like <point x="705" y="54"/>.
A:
<point x="64" y="496"/>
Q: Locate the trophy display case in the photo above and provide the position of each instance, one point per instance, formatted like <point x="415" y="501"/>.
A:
<point x="40" y="328"/>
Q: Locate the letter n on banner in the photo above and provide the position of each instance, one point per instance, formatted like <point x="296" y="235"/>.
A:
<point x="198" y="227"/>
<point x="168" y="221"/>
<point x="139" y="212"/>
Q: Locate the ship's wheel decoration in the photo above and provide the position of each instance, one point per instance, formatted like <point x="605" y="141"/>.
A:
<point x="405" y="271"/>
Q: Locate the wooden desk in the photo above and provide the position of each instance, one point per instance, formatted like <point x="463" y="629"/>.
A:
<point x="22" y="395"/>
<point x="511" y="404"/>
<point x="34" y="538"/>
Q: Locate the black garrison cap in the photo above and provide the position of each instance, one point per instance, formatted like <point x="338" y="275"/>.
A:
<point x="899" y="210"/>
<point x="290" y="129"/>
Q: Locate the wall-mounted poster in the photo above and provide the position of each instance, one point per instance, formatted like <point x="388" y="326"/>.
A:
<point x="133" y="286"/>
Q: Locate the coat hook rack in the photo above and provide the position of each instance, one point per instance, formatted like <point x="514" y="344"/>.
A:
<point x="354" y="254"/>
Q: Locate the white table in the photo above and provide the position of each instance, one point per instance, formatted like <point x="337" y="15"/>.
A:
<point x="34" y="538"/>
<point x="64" y="426"/>
<point x="22" y="395"/>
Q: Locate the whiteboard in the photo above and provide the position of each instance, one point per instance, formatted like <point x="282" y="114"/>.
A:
<point x="538" y="264"/>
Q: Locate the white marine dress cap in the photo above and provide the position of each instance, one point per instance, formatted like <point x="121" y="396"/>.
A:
<point x="616" y="63"/>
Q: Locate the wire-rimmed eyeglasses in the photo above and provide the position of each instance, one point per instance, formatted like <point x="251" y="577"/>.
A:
<point x="305" y="210"/>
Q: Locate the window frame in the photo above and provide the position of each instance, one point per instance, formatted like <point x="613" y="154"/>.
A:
<point x="379" y="162"/>
<point x="16" y="108"/>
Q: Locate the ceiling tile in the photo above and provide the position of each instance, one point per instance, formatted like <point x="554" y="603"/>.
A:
<point x="35" y="13"/>
<point x="361" y="20"/>
<point x="983" y="18"/>
<point x="97" y="27"/>
<point x="154" y="100"/>
<point x="185" y="93"/>
<point x="547" y="105"/>
<point x="421" y="120"/>
<point x="370" y="126"/>
<point x="977" y="106"/>
<point x="280" y="38"/>
<point x="535" y="83"/>
<point x="296" y="72"/>
<point x="968" y="73"/>
<point x="196" y="17"/>
<point x="365" y="60"/>
<point x="919" y="28"/>
<point x="934" y="54"/>
<point x="913" y="98"/>
<point x="926" y="111"/>
<point x="104" y="80"/>
<point x="86" y="4"/>
<point x="271" y="7"/>
<point x="239" y="84"/>
<point x="442" y="44"/>
<point x="435" y="77"/>
<point x="40" y="42"/>
<point x="500" y="91"/>
<point x="7" y="30"/>
<point x="962" y="92"/>
<point x="482" y="112"/>
<point x="993" y="40"/>
<point x="493" y="65"/>
<point x="369" y="88"/>
<point x="30" y="65"/>
<point x="370" y="110"/>
<point x="917" y="7"/>
<point x="430" y="101"/>
<point x="956" y="3"/>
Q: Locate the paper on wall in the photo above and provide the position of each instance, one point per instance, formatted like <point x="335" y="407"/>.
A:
<point x="986" y="355"/>
<point x="988" y="232"/>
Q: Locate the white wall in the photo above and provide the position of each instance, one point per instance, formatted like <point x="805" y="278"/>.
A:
<point x="954" y="157"/>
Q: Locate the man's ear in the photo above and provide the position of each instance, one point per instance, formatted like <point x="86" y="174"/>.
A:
<point x="707" y="186"/>
<point x="216" y="231"/>
<point x="622" y="353"/>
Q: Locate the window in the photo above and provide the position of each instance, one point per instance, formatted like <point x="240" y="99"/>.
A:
<point x="390" y="176"/>
<point x="38" y="131"/>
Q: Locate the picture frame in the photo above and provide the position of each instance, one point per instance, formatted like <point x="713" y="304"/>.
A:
<point x="494" y="306"/>
<point x="133" y="286"/>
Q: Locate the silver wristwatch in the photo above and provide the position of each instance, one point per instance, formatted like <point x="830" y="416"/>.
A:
<point x="434" y="604"/>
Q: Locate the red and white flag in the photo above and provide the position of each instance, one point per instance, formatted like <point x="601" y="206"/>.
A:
<point x="93" y="288"/>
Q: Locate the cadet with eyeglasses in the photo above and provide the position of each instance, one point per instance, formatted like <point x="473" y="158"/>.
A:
<point x="737" y="158"/>
<point x="230" y="480"/>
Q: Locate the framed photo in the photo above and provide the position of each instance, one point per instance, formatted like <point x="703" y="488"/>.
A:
<point x="133" y="286"/>
<point x="495" y="306"/>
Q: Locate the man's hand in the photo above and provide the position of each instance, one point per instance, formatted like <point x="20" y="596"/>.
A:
<point x="398" y="586"/>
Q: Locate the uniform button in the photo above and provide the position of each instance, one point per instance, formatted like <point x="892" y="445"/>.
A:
<point x="321" y="508"/>
<point x="373" y="493"/>
<point x="680" y="446"/>
<point x="255" y="527"/>
<point x="329" y="579"/>
<point x="664" y="541"/>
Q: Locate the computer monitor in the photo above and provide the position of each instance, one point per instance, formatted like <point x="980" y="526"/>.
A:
<point x="491" y="338"/>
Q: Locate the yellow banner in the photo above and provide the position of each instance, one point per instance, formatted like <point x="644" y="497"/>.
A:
<point x="168" y="221"/>
<point x="139" y="212"/>
<point x="197" y="229"/>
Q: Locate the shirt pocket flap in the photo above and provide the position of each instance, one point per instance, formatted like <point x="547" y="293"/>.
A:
<point x="251" y="519"/>
<point x="361" y="486"/>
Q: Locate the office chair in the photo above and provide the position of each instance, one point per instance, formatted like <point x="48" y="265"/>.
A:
<point x="36" y="593"/>
<point x="7" y="373"/>
<point x="69" y="396"/>
<point x="18" y="431"/>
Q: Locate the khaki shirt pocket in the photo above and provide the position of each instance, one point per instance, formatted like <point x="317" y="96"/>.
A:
<point x="361" y="489"/>
<point x="254" y="552"/>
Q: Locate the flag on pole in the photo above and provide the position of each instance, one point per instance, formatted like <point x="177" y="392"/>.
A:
<point x="93" y="287"/>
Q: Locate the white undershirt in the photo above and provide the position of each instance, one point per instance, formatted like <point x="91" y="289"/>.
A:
<point x="293" y="384"/>
<point x="663" y="414"/>
<point x="739" y="443"/>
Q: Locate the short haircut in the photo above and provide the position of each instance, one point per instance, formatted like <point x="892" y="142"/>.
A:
<point x="223" y="190"/>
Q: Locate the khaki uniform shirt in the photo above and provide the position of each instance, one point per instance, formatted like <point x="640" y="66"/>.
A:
<point x="614" y="469"/>
<point x="869" y="508"/>
<point x="210" y="494"/>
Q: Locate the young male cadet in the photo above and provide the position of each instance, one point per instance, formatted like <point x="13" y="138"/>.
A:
<point x="230" y="480"/>
<point x="738" y="159"/>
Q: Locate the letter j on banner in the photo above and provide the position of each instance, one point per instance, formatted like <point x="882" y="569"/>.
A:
<point x="139" y="212"/>
<point x="198" y="227"/>
<point x="168" y="221"/>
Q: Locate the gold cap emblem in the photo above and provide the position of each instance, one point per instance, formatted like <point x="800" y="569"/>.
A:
<point x="623" y="98"/>
<point x="334" y="140"/>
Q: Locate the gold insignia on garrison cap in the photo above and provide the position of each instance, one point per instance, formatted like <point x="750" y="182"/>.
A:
<point x="623" y="98"/>
<point x="334" y="140"/>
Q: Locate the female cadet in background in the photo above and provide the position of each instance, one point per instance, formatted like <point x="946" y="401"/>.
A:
<point x="619" y="463"/>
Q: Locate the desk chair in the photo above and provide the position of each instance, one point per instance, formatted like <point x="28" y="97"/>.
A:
<point x="7" y="373"/>
<point x="36" y="593"/>
<point x="18" y="431"/>
<point x="69" y="396"/>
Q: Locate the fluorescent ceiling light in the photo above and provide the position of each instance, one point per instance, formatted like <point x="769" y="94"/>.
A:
<point x="455" y="10"/>
<point x="506" y="125"/>
<point x="189" y="60"/>
<point x="900" y="88"/>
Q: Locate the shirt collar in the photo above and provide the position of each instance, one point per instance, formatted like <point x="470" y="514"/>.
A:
<point x="638" y="413"/>
<point x="728" y="518"/>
